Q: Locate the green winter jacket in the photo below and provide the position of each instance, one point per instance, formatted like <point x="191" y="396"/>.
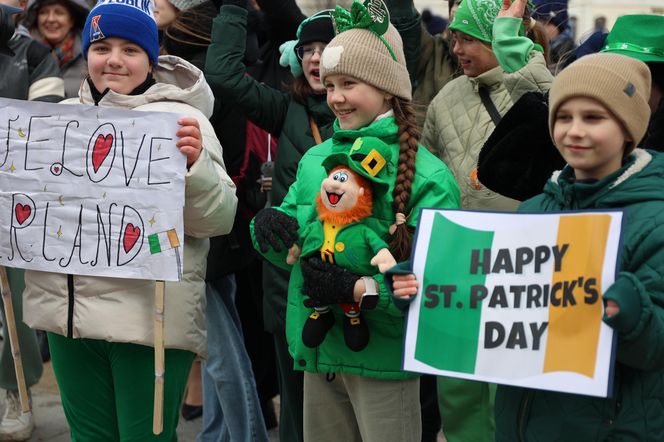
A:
<point x="433" y="186"/>
<point x="636" y="410"/>
<point x="275" y="111"/>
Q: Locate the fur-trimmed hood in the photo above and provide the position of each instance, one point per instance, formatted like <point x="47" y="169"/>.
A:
<point x="640" y="179"/>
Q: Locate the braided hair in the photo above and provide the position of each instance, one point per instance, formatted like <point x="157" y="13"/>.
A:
<point x="409" y="136"/>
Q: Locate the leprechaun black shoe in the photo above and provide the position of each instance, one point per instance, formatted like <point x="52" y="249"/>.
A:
<point x="316" y="327"/>
<point x="356" y="332"/>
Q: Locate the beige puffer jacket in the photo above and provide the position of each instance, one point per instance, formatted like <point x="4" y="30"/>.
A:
<point x="122" y="310"/>
<point x="457" y="124"/>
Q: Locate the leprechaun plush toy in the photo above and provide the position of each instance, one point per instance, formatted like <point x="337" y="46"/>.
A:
<point x="342" y="236"/>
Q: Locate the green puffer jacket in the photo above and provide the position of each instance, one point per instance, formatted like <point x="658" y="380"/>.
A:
<point x="636" y="410"/>
<point x="433" y="186"/>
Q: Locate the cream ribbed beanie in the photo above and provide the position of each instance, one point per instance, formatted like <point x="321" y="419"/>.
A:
<point x="620" y="83"/>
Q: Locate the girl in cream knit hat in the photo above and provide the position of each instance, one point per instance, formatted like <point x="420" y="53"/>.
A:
<point x="359" y="394"/>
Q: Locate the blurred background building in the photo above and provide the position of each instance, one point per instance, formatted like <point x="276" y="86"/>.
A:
<point x="586" y="15"/>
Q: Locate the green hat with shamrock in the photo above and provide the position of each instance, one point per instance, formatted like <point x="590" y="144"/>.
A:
<point x="639" y="36"/>
<point x="370" y="158"/>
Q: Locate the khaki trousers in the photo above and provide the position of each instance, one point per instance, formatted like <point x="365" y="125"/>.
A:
<point x="352" y="408"/>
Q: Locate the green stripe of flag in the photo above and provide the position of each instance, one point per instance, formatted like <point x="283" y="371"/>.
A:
<point x="448" y="337"/>
<point x="153" y="240"/>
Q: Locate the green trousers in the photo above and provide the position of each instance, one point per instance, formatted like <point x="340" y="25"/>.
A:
<point x="27" y="339"/>
<point x="107" y="389"/>
<point x="466" y="409"/>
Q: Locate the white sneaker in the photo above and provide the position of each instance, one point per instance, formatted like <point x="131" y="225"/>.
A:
<point x="15" y="425"/>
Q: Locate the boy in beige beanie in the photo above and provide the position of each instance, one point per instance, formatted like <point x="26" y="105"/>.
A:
<point x="598" y="113"/>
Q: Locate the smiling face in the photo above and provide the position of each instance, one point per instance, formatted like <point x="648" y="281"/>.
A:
<point x="117" y="64"/>
<point x="340" y="191"/>
<point x="310" y="58"/>
<point x="355" y="103"/>
<point x="54" y="22"/>
<point x="475" y="57"/>
<point x="589" y="138"/>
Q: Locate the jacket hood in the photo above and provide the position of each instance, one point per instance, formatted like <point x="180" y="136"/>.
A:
<point x="639" y="180"/>
<point x="177" y="80"/>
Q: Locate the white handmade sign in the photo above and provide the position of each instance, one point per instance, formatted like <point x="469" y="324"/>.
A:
<point x="90" y="190"/>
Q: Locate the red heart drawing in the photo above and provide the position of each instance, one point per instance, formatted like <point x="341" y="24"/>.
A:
<point x="130" y="237"/>
<point x="22" y="212"/>
<point x="100" y="150"/>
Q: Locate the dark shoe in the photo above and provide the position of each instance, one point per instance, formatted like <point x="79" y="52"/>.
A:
<point x="316" y="328"/>
<point x="356" y="332"/>
<point x="191" y="412"/>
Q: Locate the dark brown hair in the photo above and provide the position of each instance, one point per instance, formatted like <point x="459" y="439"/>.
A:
<point x="409" y="136"/>
<point x="300" y="89"/>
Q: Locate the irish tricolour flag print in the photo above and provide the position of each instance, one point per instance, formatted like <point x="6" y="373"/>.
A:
<point x="514" y="298"/>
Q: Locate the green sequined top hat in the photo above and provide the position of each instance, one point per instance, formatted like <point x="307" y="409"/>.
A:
<point x="369" y="157"/>
<point x="639" y="36"/>
<point x="367" y="47"/>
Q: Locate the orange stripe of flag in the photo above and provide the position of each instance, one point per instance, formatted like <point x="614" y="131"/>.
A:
<point x="573" y="331"/>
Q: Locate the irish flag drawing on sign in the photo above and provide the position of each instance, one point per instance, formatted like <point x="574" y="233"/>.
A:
<point x="514" y="298"/>
<point x="166" y="240"/>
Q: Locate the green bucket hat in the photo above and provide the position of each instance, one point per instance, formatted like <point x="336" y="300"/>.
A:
<point x="476" y="17"/>
<point x="370" y="157"/>
<point x="639" y="36"/>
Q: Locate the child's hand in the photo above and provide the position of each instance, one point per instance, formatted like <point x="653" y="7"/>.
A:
<point x="404" y="286"/>
<point x="190" y="139"/>
<point x="516" y="9"/>
<point x="611" y="308"/>
<point x="293" y="254"/>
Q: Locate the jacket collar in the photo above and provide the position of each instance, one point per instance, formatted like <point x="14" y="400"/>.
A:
<point x="564" y="188"/>
<point x="489" y="79"/>
<point x="385" y="128"/>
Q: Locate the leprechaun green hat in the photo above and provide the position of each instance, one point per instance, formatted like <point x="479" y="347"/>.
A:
<point x="639" y="36"/>
<point x="370" y="158"/>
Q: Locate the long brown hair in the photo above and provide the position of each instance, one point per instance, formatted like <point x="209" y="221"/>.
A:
<point x="300" y="89"/>
<point x="409" y="136"/>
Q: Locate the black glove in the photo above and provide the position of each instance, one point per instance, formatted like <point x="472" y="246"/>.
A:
<point x="326" y="283"/>
<point x="274" y="228"/>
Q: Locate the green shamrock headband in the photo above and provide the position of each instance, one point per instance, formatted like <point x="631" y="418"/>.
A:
<point x="371" y="15"/>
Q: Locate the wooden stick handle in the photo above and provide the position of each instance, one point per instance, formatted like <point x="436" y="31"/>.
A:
<point x="159" y="365"/>
<point x="13" y="340"/>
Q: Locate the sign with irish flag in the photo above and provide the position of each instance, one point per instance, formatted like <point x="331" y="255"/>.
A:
<point x="514" y="298"/>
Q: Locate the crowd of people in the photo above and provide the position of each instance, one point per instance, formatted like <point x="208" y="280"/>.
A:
<point x="480" y="115"/>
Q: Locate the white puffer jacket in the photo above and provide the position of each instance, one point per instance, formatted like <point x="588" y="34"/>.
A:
<point x="122" y="310"/>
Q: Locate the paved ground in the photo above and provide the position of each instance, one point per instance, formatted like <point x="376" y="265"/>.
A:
<point x="52" y="425"/>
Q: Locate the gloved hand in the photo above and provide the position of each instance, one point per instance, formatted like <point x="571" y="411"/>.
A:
<point x="288" y="58"/>
<point x="274" y="228"/>
<point x="326" y="283"/>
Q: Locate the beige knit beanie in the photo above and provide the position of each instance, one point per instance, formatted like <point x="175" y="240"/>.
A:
<point x="360" y="53"/>
<point x="620" y="83"/>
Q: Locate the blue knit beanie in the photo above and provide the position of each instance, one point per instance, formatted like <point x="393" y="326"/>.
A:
<point x="131" y="20"/>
